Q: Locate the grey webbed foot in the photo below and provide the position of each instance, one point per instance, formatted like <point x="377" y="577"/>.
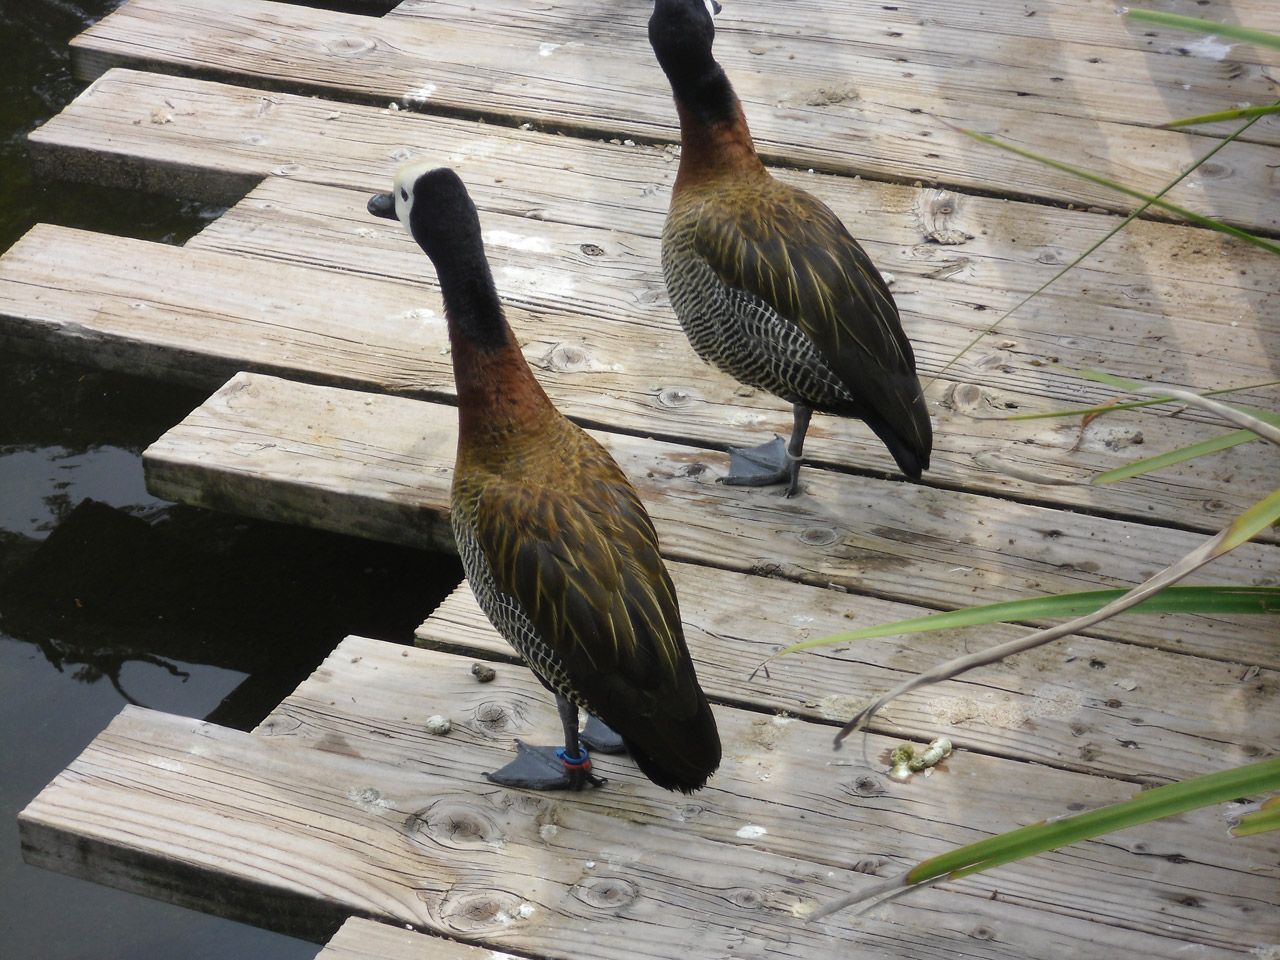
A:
<point x="545" y="768"/>
<point x="758" y="466"/>
<point x="600" y="737"/>
<point x="763" y="466"/>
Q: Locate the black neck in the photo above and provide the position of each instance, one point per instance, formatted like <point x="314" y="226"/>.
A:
<point x="471" y="302"/>
<point x="448" y="230"/>
<point x="705" y="93"/>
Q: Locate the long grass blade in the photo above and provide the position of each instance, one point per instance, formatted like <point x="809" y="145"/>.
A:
<point x="1094" y="246"/>
<point x="1138" y="404"/>
<point x="1260" y="777"/>
<point x="1233" y="415"/>
<point x="1180" y="455"/>
<point x="1266" y="817"/>
<point x="1189" y="215"/>
<point x="1206" y="600"/>
<point x="1169" y="800"/>
<point x="1209" y="27"/>
<point x="1165" y="394"/>
<point x="1258" y="517"/>
<point x="1238" y="114"/>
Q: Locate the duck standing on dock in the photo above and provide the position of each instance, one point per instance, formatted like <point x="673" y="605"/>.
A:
<point x="556" y="545"/>
<point x="766" y="281"/>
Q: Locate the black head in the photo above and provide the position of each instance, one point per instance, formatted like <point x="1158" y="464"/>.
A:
<point x="433" y="205"/>
<point x="681" y="33"/>
<point x="437" y="211"/>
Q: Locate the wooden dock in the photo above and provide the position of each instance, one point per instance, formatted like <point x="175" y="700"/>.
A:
<point x="320" y="335"/>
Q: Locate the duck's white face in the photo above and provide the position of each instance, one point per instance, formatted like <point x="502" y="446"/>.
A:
<point x="406" y="177"/>
<point x="712" y="7"/>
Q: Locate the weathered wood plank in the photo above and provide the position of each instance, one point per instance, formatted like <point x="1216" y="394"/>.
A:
<point x="1013" y="248"/>
<point x="360" y="939"/>
<point x="113" y="302"/>
<point x="558" y="271"/>
<point x="1084" y="704"/>
<point x="1076" y="21"/>
<point x="823" y="88"/>
<point x="214" y="129"/>
<point x="779" y="776"/>
<point x="422" y="840"/>
<point x="904" y="541"/>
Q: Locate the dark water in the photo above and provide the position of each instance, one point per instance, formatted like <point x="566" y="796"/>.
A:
<point x="108" y="596"/>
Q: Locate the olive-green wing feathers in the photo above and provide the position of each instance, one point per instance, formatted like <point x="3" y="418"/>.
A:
<point x="587" y="573"/>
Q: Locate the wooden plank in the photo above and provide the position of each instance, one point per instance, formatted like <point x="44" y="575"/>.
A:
<point x="524" y="174"/>
<point x="423" y="840"/>
<point x="767" y="758"/>
<point x="821" y="89"/>
<point x="114" y="302"/>
<point x="360" y="939"/>
<point x="546" y="272"/>
<point x="1083" y="704"/>
<point x="933" y="547"/>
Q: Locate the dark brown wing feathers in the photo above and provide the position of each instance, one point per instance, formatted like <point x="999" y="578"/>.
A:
<point x="788" y="248"/>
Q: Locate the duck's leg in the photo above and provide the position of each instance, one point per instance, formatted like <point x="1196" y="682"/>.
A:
<point x="772" y="462"/>
<point x="800" y="414"/>
<point x="550" y="768"/>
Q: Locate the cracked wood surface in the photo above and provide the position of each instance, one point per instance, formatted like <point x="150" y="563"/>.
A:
<point x="340" y="806"/>
<point x="583" y="279"/>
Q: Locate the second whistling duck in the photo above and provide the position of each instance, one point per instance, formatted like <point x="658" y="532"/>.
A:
<point x="766" y="281"/>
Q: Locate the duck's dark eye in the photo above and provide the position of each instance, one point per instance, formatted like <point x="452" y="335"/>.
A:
<point x="404" y="194"/>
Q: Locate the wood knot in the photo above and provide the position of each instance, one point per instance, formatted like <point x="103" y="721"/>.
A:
<point x="689" y="811"/>
<point x="675" y="397"/>
<point x="966" y="397"/>
<point x="275" y="726"/>
<point x="982" y="932"/>
<point x="1214" y="170"/>
<point x="606" y="893"/>
<point x="455" y="824"/>
<point x="866" y="786"/>
<point x="936" y="213"/>
<point x="350" y="46"/>
<point x="745" y="898"/>
<point x="567" y="358"/>
<point x="481" y="912"/>
<point x="818" y="536"/>
<point x="592" y="250"/>
<point x="492" y="716"/>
